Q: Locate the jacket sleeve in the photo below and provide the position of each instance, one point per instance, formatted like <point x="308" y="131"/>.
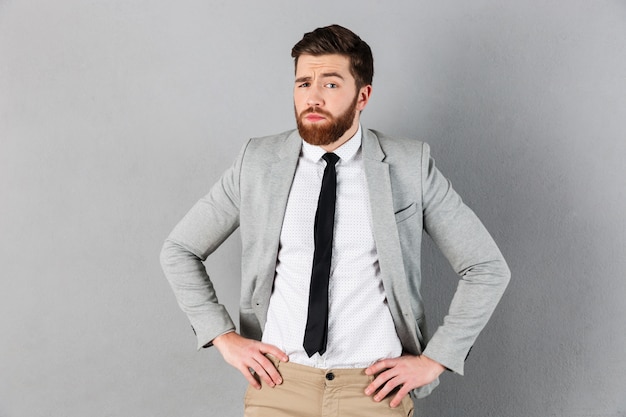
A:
<point x="473" y="254"/>
<point x="203" y="229"/>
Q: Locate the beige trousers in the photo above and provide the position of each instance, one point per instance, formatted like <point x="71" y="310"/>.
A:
<point x="312" y="392"/>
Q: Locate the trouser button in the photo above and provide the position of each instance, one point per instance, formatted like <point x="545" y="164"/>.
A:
<point x="330" y="376"/>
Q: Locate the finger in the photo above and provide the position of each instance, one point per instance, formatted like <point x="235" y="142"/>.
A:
<point x="397" y="399"/>
<point x="274" y="351"/>
<point x="379" y="381"/>
<point x="389" y="386"/>
<point x="273" y="376"/>
<point x="245" y="371"/>
<point x="380" y="366"/>
<point x="261" y="373"/>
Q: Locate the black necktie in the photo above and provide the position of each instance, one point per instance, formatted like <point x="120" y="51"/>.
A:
<point x="317" y="321"/>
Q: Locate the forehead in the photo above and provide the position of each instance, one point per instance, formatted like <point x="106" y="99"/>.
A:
<point x="308" y="64"/>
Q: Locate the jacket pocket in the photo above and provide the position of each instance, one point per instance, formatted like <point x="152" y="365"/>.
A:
<point x="406" y="212"/>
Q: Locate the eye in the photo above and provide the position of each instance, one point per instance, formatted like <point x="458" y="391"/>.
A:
<point x="331" y="85"/>
<point x="304" y="85"/>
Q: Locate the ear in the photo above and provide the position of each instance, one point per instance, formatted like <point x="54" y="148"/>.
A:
<point x="363" y="97"/>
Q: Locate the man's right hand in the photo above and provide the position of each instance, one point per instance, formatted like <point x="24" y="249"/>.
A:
<point x="245" y="354"/>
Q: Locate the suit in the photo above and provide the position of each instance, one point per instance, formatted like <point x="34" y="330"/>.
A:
<point x="408" y="195"/>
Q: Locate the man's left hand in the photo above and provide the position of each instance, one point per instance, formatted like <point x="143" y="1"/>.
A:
<point x="406" y="372"/>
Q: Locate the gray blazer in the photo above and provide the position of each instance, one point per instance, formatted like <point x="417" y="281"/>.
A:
<point x="408" y="195"/>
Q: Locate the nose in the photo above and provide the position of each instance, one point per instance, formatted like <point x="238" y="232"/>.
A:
<point x="314" y="98"/>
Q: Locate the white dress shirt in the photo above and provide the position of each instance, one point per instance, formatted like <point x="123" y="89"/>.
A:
<point x="360" y="327"/>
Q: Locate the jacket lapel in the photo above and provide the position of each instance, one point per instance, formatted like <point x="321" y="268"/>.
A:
<point x="281" y="178"/>
<point x="386" y="237"/>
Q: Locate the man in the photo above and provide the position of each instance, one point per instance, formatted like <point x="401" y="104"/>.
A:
<point x="331" y="219"/>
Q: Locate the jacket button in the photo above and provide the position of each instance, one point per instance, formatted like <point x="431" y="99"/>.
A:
<point x="330" y="376"/>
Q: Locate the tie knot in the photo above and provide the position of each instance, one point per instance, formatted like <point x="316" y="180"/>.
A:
<point x="330" y="158"/>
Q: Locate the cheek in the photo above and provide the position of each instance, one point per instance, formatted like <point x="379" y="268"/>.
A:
<point x="298" y="108"/>
<point x="299" y="102"/>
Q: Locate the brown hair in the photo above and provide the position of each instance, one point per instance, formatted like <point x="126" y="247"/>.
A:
<point x="336" y="39"/>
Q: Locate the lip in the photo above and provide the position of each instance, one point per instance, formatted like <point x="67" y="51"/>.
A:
<point x="314" y="117"/>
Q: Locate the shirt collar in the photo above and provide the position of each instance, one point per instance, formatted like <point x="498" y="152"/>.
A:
<point x="346" y="151"/>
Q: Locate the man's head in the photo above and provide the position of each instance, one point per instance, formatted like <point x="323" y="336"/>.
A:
<point x="335" y="39"/>
<point x="334" y="70"/>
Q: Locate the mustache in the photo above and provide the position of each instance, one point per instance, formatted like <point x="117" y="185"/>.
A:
<point x="314" y="110"/>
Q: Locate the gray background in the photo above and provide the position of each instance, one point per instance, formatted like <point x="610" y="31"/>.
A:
<point x="116" y="116"/>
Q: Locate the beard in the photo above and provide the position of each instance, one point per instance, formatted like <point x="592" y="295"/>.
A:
<point x="329" y="131"/>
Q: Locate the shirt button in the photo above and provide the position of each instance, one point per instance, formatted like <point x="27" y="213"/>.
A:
<point x="330" y="376"/>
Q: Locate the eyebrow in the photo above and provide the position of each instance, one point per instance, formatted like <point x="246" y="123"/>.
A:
<point x="324" y="75"/>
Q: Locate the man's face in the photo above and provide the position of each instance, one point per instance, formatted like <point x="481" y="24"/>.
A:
<point x="326" y="100"/>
